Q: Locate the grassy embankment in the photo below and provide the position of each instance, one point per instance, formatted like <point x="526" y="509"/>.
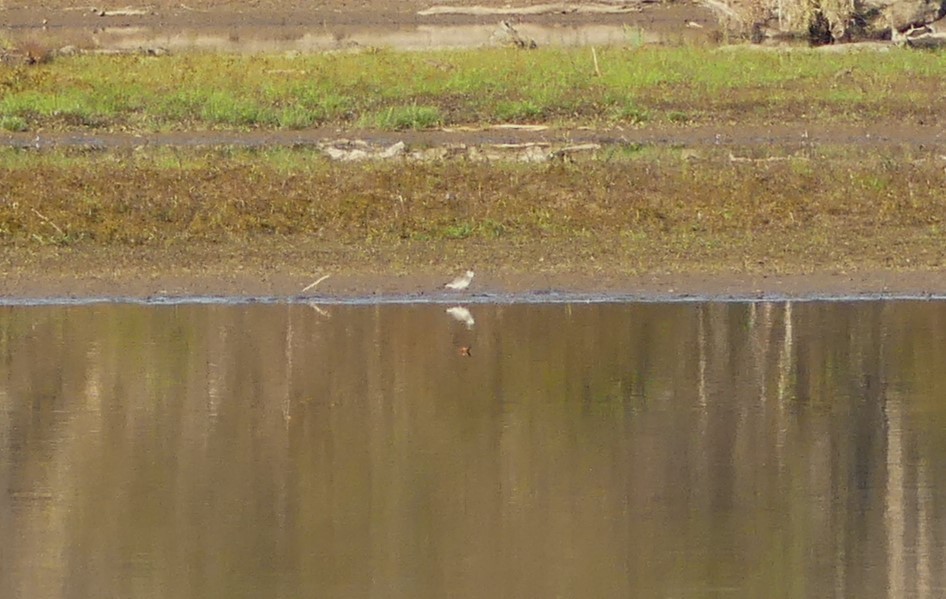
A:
<point x="390" y="90"/>
<point x="627" y="209"/>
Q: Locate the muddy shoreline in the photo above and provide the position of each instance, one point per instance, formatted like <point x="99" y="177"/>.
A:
<point x="578" y="287"/>
<point x="121" y="226"/>
<point x="283" y="271"/>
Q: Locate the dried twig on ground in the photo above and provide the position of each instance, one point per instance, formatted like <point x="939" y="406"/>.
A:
<point x="315" y="283"/>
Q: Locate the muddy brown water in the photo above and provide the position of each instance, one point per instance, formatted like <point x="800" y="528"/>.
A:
<point x="575" y="450"/>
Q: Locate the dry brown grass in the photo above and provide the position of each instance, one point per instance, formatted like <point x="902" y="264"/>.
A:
<point x="27" y="52"/>
<point x="639" y="209"/>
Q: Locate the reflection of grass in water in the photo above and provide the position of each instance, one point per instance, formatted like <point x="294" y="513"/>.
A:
<point x="394" y="90"/>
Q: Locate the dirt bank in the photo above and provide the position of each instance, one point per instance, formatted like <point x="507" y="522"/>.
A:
<point x="284" y="268"/>
<point x="284" y="26"/>
<point x="743" y="221"/>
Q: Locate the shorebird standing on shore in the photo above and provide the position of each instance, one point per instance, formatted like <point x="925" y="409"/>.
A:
<point x="460" y="283"/>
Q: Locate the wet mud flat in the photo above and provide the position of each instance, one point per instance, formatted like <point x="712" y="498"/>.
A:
<point x="329" y="27"/>
<point x="273" y="274"/>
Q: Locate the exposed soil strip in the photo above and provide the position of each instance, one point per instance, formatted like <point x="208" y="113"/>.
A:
<point x="785" y="136"/>
<point x="333" y="26"/>
<point x="538" y="9"/>
<point x="77" y="276"/>
<point x="413" y="38"/>
<point x="319" y="38"/>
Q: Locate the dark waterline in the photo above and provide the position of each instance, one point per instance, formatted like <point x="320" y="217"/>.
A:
<point x="595" y="449"/>
<point x="554" y="297"/>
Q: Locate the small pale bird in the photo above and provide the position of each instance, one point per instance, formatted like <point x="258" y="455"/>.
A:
<point x="460" y="283"/>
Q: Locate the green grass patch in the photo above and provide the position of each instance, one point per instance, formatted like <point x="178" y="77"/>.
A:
<point x="518" y="111"/>
<point x="391" y="90"/>
<point x="399" y="118"/>
<point x="13" y="123"/>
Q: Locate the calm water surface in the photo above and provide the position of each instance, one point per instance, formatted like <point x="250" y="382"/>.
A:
<point x="608" y="450"/>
